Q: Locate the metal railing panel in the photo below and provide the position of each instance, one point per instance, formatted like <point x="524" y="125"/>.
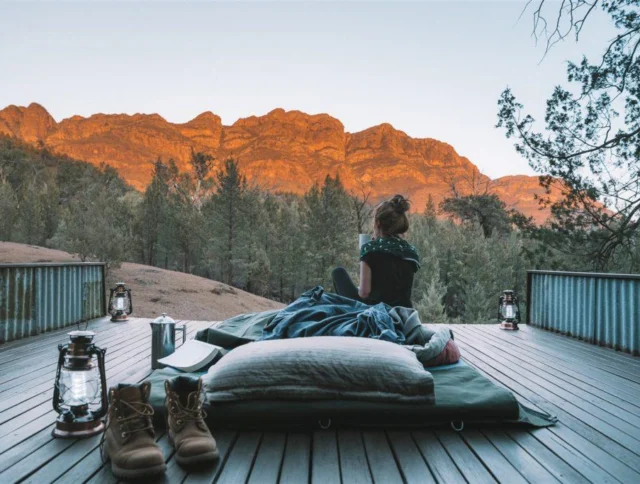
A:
<point x="35" y="298"/>
<point x="600" y="308"/>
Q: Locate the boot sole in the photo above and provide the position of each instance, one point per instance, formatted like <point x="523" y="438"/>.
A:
<point x="197" y="459"/>
<point x="137" y="473"/>
<point x="131" y="473"/>
<point x="194" y="459"/>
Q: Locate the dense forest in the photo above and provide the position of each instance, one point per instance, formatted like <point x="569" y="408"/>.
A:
<point x="211" y="222"/>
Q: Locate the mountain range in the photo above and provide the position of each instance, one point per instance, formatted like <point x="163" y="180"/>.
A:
<point x="282" y="150"/>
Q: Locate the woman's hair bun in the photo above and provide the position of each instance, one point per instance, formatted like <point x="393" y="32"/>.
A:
<point x="400" y="204"/>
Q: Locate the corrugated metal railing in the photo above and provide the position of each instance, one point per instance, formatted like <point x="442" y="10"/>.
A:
<point x="35" y="298"/>
<point x="600" y="308"/>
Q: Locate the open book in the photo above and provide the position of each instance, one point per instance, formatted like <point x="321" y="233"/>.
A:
<point x="192" y="356"/>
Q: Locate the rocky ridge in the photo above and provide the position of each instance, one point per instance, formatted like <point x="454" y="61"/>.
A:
<point x="282" y="150"/>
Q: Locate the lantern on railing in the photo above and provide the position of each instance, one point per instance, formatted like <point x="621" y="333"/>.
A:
<point x="120" y="304"/>
<point x="80" y="390"/>
<point x="508" y="310"/>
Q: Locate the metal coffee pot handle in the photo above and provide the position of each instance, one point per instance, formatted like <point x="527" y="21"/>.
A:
<point x="183" y="329"/>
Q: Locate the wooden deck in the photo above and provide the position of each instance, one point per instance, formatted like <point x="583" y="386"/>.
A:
<point x="595" y="392"/>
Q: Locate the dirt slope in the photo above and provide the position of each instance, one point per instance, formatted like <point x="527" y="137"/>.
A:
<point x="155" y="290"/>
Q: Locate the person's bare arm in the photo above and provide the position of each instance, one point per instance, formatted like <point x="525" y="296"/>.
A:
<point x="365" y="280"/>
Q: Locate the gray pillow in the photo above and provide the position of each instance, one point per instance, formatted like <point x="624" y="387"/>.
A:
<point x="320" y="368"/>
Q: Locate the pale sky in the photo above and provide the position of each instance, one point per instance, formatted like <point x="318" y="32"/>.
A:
<point x="431" y="69"/>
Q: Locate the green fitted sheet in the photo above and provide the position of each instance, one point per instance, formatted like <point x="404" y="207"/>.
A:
<point x="463" y="395"/>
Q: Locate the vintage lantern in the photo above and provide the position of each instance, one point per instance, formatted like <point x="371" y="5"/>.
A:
<point x="80" y="390"/>
<point x="508" y="310"/>
<point x="120" y="304"/>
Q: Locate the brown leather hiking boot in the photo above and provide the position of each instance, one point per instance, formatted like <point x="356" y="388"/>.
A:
<point x="129" y="439"/>
<point x="185" y="422"/>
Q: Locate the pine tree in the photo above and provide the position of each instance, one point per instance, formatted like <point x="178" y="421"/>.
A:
<point x="153" y="213"/>
<point x="8" y="211"/>
<point x="330" y="231"/>
<point x="430" y="211"/>
<point x="225" y="215"/>
<point x="30" y="222"/>
<point x="430" y="306"/>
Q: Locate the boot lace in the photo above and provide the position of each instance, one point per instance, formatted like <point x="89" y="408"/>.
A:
<point x="139" y="412"/>
<point x="192" y="412"/>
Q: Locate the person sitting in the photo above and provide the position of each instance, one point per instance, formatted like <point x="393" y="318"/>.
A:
<point x="387" y="263"/>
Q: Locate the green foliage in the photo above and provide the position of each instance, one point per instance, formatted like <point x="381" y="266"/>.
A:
<point x="589" y="147"/>
<point x="277" y="245"/>
<point x="330" y="232"/>
<point x="8" y="211"/>
<point x="487" y="210"/>
<point x="430" y="301"/>
<point x="30" y="225"/>
<point x="228" y="214"/>
<point x="96" y="224"/>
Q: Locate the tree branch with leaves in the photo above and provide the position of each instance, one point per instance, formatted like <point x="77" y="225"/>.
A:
<point x="590" y="144"/>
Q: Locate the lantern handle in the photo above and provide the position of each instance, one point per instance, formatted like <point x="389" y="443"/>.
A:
<point x="104" y="403"/>
<point x="63" y="350"/>
<point x="130" y="301"/>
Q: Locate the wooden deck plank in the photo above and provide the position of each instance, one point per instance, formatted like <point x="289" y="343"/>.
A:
<point x="558" y="459"/>
<point x="92" y="463"/>
<point x="58" y="466"/>
<point x="41" y="416"/>
<point x="593" y="391"/>
<point x="26" y="448"/>
<point x="505" y="468"/>
<point x="442" y="466"/>
<point x="120" y="367"/>
<point x="354" y="466"/>
<point x="297" y="459"/>
<point x="52" y="444"/>
<point x="467" y="462"/>
<point x="40" y="393"/>
<point x="50" y="352"/>
<point x="35" y="388"/>
<point x="614" y="394"/>
<point x="380" y="456"/>
<point x="607" y="424"/>
<point x="30" y="388"/>
<point x="325" y="461"/>
<point x="519" y="458"/>
<point x="37" y="459"/>
<point x="240" y="460"/>
<point x="269" y="459"/>
<point x="571" y="371"/>
<point x="532" y="337"/>
<point x="565" y="344"/>
<point x="567" y="388"/>
<point x="97" y="325"/>
<point x="412" y="466"/>
<point x="208" y="474"/>
<point x="615" y="458"/>
<point x="28" y="365"/>
<point x="129" y="371"/>
<point x="103" y="476"/>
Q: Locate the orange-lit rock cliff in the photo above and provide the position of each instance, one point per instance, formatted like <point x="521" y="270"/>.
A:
<point x="282" y="150"/>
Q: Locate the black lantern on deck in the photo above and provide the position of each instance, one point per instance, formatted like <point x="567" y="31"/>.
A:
<point x="508" y="310"/>
<point x="120" y="304"/>
<point x="80" y="390"/>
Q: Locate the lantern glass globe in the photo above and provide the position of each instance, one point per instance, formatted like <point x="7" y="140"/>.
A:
<point x="80" y="387"/>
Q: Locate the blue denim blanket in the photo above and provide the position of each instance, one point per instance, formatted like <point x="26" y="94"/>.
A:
<point x="317" y="313"/>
